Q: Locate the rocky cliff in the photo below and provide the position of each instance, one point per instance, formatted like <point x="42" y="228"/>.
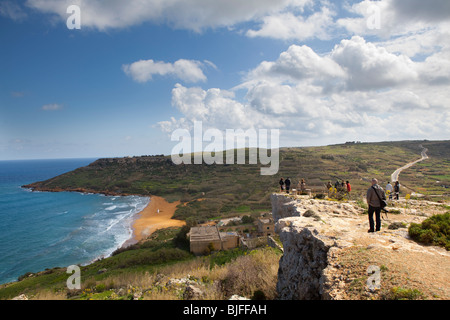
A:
<point x="328" y="253"/>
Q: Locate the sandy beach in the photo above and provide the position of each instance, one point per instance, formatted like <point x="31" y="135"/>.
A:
<point x="157" y="215"/>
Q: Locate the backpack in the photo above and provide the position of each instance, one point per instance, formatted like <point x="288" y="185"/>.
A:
<point x="383" y="202"/>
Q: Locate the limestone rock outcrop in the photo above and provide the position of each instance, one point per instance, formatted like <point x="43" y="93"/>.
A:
<point x="327" y="251"/>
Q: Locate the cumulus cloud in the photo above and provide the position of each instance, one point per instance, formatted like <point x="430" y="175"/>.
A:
<point x="371" y="67"/>
<point x="216" y="108"/>
<point x="289" y="26"/>
<point x="186" y="70"/>
<point x="396" y="18"/>
<point x="184" y="14"/>
<point x="297" y="63"/>
<point x="429" y="11"/>
<point x="290" y="20"/>
<point x="435" y="70"/>
<point x="358" y="90"/>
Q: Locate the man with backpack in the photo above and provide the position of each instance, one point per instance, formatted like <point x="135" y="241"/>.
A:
<point x="376" y="199"/>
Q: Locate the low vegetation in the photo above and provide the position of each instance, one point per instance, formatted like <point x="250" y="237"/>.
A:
<point x="433" y="231"/>
<point x="398" y="293"/>
<point x="152" y="270"/>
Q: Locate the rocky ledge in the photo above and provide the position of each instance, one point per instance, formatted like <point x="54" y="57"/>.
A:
<point x="328" y="253"/>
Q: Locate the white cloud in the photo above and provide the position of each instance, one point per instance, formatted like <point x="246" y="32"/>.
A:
<point x="12" y="10"/>
<point x="293" y="20"/>
<point x="183" y="14"/>
<point x="297" y="63"/>
<point x="358" y="91"/>
<point x="429" y="11"/>
<point x="372" y="67"/>
<point x="216" y="108"/>
<point x="289" y="26"/>
<point x="397" y="18"/>
<point x="394" y="86"/>
<point x="185" y="70"/>
<point x="52" y="107"/>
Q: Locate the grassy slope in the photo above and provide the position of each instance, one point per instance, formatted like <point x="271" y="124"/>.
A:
<point x="427" y="177"/>
<point x="226" y="190"/>
<point x="229" y="189"/>
<point x="148" y="266"/>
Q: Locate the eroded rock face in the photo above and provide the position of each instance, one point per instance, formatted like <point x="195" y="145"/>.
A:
<point x="304" y="259"/>
<point x="308" y="229"/>
<point x="317" y="233"/>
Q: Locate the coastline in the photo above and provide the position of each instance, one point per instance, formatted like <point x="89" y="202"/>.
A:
<point x="149" y="219"/>
<point x="144" y="222"/>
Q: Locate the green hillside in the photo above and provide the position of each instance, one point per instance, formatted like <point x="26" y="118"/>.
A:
<point x="145" y="269"/>
<point x="229" y="189"/>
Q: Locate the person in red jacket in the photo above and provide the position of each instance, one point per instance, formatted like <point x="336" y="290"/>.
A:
<point x="349" y="187"/>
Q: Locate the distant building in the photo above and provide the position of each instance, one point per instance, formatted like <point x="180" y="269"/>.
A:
<point x="266" y="226"/>
<point x="206" y="239"/>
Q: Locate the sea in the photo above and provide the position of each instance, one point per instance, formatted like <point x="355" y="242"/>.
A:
<point x="40" y="230"/>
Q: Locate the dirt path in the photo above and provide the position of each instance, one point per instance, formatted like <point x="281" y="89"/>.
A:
<point x="394" y="176"/>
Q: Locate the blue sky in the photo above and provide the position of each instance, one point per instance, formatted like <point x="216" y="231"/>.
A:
<point x="136" y="71"/>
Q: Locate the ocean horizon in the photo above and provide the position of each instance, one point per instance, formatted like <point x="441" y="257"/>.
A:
<point x="41" y="230"/>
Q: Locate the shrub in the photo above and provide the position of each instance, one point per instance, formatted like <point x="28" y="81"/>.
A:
<point x="181" y="239"/>
<point x="24" y="276"/>
<point x="100" y="287"/>
<point x="432" y="231"/>
<point x="222" y="257"/>
<point x="253" y="275"/>
<point x="247" y="219"/>
<point x="398" y="293"/>
<point x="396" y="225"/>
<point x="327" y="157"/>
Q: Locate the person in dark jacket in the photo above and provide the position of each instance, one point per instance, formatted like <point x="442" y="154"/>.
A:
<point x="374" y="203"/>
<point x="281" y="185"/>
<point x="287" y="182"/>
<point x="397" y="190"/>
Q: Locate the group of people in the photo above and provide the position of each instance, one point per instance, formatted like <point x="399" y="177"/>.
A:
<point x="340" y="186"/>
<point x="285" y="185"/>
<point x="394" y="191"/>
<point x="376" y="196"/>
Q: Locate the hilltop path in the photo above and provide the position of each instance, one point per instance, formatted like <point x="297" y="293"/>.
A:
<point x="394" y="176"/>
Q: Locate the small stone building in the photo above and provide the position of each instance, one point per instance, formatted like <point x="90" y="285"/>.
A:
<point x="205" y="239"/>
<point x="266" y="226"/>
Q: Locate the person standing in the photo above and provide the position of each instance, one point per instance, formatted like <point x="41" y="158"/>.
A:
<point x="390" y="189"/>
<point x="336" y="184"/>
<point x="281" y="185"/>
<point x="397" y="190"/>
<point x="374" y="194"/>
<point x="287" y="182"/>
<point x="303" y="186"/>
<point x="349" y="187"/>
